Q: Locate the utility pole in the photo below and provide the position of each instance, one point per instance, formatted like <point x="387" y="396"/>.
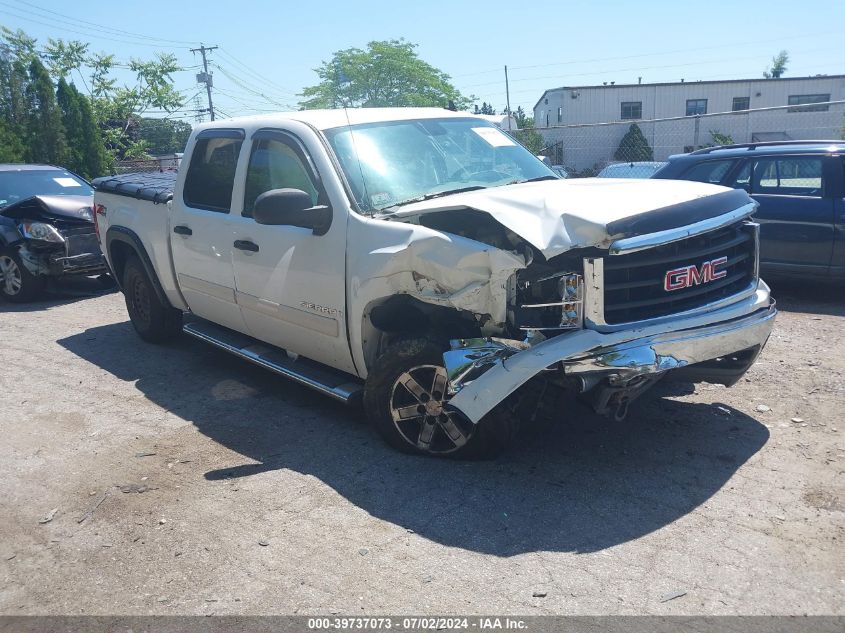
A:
<point x="204" y="77"/>
<point x="508" y="96"/>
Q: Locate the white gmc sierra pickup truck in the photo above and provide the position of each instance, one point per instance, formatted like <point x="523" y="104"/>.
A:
<point x="424" y="260"/>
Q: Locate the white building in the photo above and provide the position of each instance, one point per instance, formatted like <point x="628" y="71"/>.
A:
<point x="676" y="117"/>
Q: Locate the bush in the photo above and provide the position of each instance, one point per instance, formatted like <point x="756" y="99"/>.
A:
<point x="633" y="147"/>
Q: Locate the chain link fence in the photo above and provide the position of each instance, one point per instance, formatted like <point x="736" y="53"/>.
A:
<point x="169" y="162"/>
<point x="586" y="149"/>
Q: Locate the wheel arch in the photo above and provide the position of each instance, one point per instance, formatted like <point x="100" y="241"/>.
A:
<point x="121" y="244"/>
<point x="389" y="319"/>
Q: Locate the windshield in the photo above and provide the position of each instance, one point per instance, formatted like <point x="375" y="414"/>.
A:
<point x="388" y="164"/>
<point x="19" y="185"/>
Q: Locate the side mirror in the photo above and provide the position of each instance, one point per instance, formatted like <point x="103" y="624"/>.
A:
<point x="291" y="207"/>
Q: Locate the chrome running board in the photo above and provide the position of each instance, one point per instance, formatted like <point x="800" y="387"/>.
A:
<point x="327" y="380"/>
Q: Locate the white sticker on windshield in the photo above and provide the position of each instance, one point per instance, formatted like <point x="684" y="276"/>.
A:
<point x="67" y="182"/>
<point x="381" y="198"/>
<point x="493" y="136"/>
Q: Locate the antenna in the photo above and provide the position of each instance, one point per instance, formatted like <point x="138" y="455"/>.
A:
<point x="364" y="191"/>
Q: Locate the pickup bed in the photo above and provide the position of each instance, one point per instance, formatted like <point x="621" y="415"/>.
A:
<point x="426" y="262"/>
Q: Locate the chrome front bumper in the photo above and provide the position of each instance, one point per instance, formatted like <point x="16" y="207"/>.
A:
<point x="483" y="372"/>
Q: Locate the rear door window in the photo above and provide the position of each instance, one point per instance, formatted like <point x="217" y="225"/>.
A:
<point x="712" y="171"/>
<point x="211" y="173"/>
<point x="789" y="176"/>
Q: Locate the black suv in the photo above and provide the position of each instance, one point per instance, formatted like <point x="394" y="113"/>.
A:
<point x="800" y="186"/>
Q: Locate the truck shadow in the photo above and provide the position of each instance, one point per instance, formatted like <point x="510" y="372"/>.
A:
<point x="63" y="292"/>
<point x="810" y="298"/>
<point x="579" y="486"/>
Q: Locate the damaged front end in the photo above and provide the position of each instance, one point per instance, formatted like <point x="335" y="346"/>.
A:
<point x="603" y="324"/>
<point x="610" y="370"/>
<point x="54" y="236"/>
<point x="43" y="238"/>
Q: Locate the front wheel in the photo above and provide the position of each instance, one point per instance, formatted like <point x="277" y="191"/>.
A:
<point x="406" y="399"/>
<point x="17" y="284"/>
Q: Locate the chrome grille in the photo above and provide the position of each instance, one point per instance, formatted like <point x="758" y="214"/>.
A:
<point x="634" y="282"/>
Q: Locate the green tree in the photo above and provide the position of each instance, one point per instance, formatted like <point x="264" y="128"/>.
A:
<point x="45" y="133"/>
<point x="72" y="122"/>
<point x="485" y="108"/>
<point x="11" y="147"/>
<point x="164" y="136"/>
<point x="86" y="154"/>
<point x="526" y="134"/>
<point x="14" y="112"/>
<point x="721" y="139"/>
<point x="387" y="73"/>
<point x="115" y="109"/>
<point x="633" y="147"/>
<point x="778" y="67"/>
<point x="118" y="109"/>
<point x="97" y="162"/>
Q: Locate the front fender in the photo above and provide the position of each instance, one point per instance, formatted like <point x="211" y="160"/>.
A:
<point x="386" y="258"/>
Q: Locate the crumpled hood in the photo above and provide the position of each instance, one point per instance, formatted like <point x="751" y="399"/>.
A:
<point x="555" y="216"/>
<point x="74" y="208"/>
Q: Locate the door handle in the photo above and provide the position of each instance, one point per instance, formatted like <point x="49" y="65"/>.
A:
<point x="246" y="245"/>
<point x="182" y="230"/>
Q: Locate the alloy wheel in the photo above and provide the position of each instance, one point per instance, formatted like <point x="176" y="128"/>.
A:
<point x="10" y="275"/>
<point x="417" y="406"/>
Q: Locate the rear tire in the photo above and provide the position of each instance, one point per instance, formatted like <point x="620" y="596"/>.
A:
<point x="154" y="321"/>
<point x="17" y="284"/>
<point x="405" y="399"/>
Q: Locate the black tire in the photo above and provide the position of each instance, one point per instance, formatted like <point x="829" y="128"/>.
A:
<point x="17" y="284"/>
<point x="154" y="321"/>
<point x="412" y="419"/>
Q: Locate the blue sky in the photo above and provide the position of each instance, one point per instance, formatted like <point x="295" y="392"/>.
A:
<point x="268" y="50"/>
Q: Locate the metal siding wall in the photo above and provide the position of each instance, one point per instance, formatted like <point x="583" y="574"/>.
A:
<point x="584" y="147"/>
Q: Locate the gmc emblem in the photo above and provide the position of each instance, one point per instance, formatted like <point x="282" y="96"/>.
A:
<point x="686" y="276"/>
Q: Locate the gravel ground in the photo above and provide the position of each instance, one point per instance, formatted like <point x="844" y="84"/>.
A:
<point x="178" y="480"/>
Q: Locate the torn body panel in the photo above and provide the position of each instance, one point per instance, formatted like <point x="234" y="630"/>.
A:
<point x="386" y="259"/>
<point x="615" y="360"/>
<point x="560" y="215"/>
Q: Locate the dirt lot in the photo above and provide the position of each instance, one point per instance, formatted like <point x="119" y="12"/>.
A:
<point x="164" y="480"/>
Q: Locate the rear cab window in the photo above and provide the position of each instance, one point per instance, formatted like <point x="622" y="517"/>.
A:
<point x="211" y="172"/>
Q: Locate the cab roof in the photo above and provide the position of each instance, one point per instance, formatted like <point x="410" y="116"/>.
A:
<point x="328" y="119"/>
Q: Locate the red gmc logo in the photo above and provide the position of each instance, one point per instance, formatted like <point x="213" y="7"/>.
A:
<point x="687" y="276"/>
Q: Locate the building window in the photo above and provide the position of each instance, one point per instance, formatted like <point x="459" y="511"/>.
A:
<point x="632" y="110"/>
<point x="741" y="103"/>
<point x="559" y="115"/>
<point x="795" y="100"/>
<point x="696" y="106"/>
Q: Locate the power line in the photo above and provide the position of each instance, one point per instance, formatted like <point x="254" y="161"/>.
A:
<point x="65" y="28"/>
<point x="246" y="87"/>
<point x="656" y="54"/>
<point x="640" y="68"/>
<point x="280" y="89"/>
<point x="99" y="27"/>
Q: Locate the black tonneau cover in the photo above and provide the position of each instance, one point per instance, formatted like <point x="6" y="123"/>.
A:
<point x="156" y="186"/>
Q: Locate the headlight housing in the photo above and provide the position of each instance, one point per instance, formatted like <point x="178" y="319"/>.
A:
<point x="41" y="231"/>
